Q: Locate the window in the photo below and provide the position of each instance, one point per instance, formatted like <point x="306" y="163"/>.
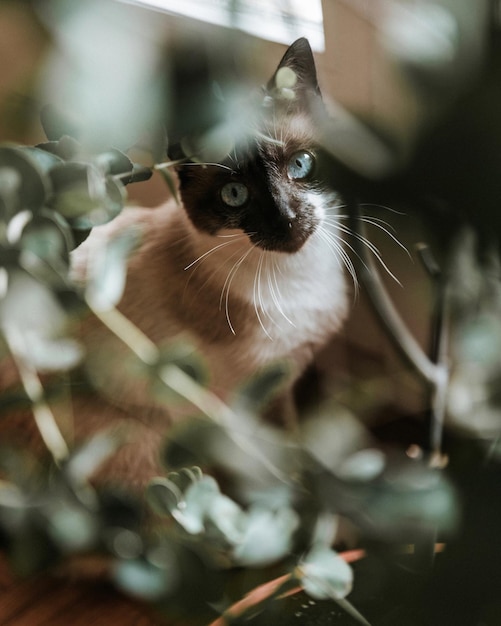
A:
<point x="275" y="20"/>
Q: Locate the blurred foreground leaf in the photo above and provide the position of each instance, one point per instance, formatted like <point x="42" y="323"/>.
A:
<point x="324" y="574"/>
<point x="108" y="270"/>
<point x="25" y="186"/>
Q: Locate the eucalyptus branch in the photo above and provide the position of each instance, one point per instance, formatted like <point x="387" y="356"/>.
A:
<point x="44" y="418"/>
<point x="127" y="332"/>
<point x="439" y="351"/>
<point x="433" y="370"/>
<point x="177" y="380"/>
<point x="148" y="352"/>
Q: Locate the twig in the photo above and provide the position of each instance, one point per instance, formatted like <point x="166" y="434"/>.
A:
<point x="433" y="369"/>
<point x="44" y="418"/>
<point x="259" y="599"/>
<point x="439" y="350"/>
<point x="171" y="375"/>
<point x="177" y="380"/>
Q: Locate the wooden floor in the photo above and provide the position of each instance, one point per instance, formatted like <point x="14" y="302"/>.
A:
<point x="50" y="601"/>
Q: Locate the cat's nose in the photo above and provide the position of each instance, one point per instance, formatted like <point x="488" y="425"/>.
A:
<point x="287" y="215"/>
<point x="291" y="210"/>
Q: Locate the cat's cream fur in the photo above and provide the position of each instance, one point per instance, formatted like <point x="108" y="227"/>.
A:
<point x="285" y="310"/>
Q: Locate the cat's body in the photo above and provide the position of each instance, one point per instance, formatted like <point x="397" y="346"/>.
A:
<point x="278" y="306"/>
<point x="249" y="266"/>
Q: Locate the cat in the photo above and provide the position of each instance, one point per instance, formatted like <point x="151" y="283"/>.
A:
<point x="249" y="265"/>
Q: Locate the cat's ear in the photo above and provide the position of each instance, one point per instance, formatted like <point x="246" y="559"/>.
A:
<point x="296" y="71"/>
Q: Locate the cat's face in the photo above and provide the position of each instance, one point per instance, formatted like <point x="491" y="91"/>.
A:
<point x="270" y="185"/>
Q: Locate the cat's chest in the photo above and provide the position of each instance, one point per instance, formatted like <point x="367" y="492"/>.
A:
<point x="274" y="308"/>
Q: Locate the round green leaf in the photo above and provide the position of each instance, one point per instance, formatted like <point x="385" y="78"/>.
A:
<point x="10" y="184"/>
<point x="185" y="477"/>
<point x="85" y="461"/>
<point x="108" y="270"/>
<point x="43" y="158"/>
<point x="35" y="322"/>
<point x="109" y="206"/>
<point x="364" y="465"/>
<point x="261" y="387"/>
<point x="30" y="308"/>
<point x="48" y="236"/>
<point x="163" y="496"/>
<point x="55" y="124"/>
<point x="52" y="355"/>
<point x="79" y="188"/>
<point x="34" y="186"/>
<point x="189" y="441"/>
<point x="267" y="536"/>
<point x="115" y="163"/>
<point x="324" y="574"/>
<point x="124" y="543"/>
<point x="73" y="529"/>
<point x="178" y="355"/>
<point x="66" y="148"/>
<point x="143" y="580"/>
<point x="227" y="517"/>
<point x="83" y="195"/>
<point x="198" y="500"/>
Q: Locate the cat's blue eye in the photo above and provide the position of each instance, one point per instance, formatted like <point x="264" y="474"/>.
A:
<point x="300" y="165"/>
<point x="234" y="194"/>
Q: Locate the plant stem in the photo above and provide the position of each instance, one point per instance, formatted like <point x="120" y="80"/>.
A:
<point x="44" y="418"/>
<point x="171" y="375"/>
<point x="176" y="379"/>
<point x="433" y="370"/>
<point x="425" y="547"/>
<point x="439" y="351"/>
<point x="128" y="333"/>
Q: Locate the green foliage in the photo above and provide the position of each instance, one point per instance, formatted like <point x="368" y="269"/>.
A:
<point x="266" y="502"/>
<point x="108" y="271"/>
<point x="324" y="574"/>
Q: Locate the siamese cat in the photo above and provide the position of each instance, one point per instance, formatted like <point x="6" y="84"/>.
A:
<point x="249" y="265"/>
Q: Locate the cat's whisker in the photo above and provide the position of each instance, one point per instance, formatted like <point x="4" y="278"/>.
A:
<point x="348" y="231"/>
<point x="203" y="164"/>
<point x="333" y="210"/>
<point x="267" y="283"/>
<point x="378" y="222"/>
<point x="274" y="289"/>
<point x="269" y="289"/>
<point x="257" y="296"/>
<point x="371" y="219"/>
<point x="344" y="258"/>
<point x="211" y="251"/>
<point x="232" y="156"/>
<point x="259" y="274"/>
<point x="345" y="242"/>
<point x="225" y="291"/>
<point x="385" y="227"/>
<point x="269" y="139"/>
<point x="382" y="206"/>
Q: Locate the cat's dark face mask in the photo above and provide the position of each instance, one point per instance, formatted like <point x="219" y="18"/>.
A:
<point x="269" y="185"/>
